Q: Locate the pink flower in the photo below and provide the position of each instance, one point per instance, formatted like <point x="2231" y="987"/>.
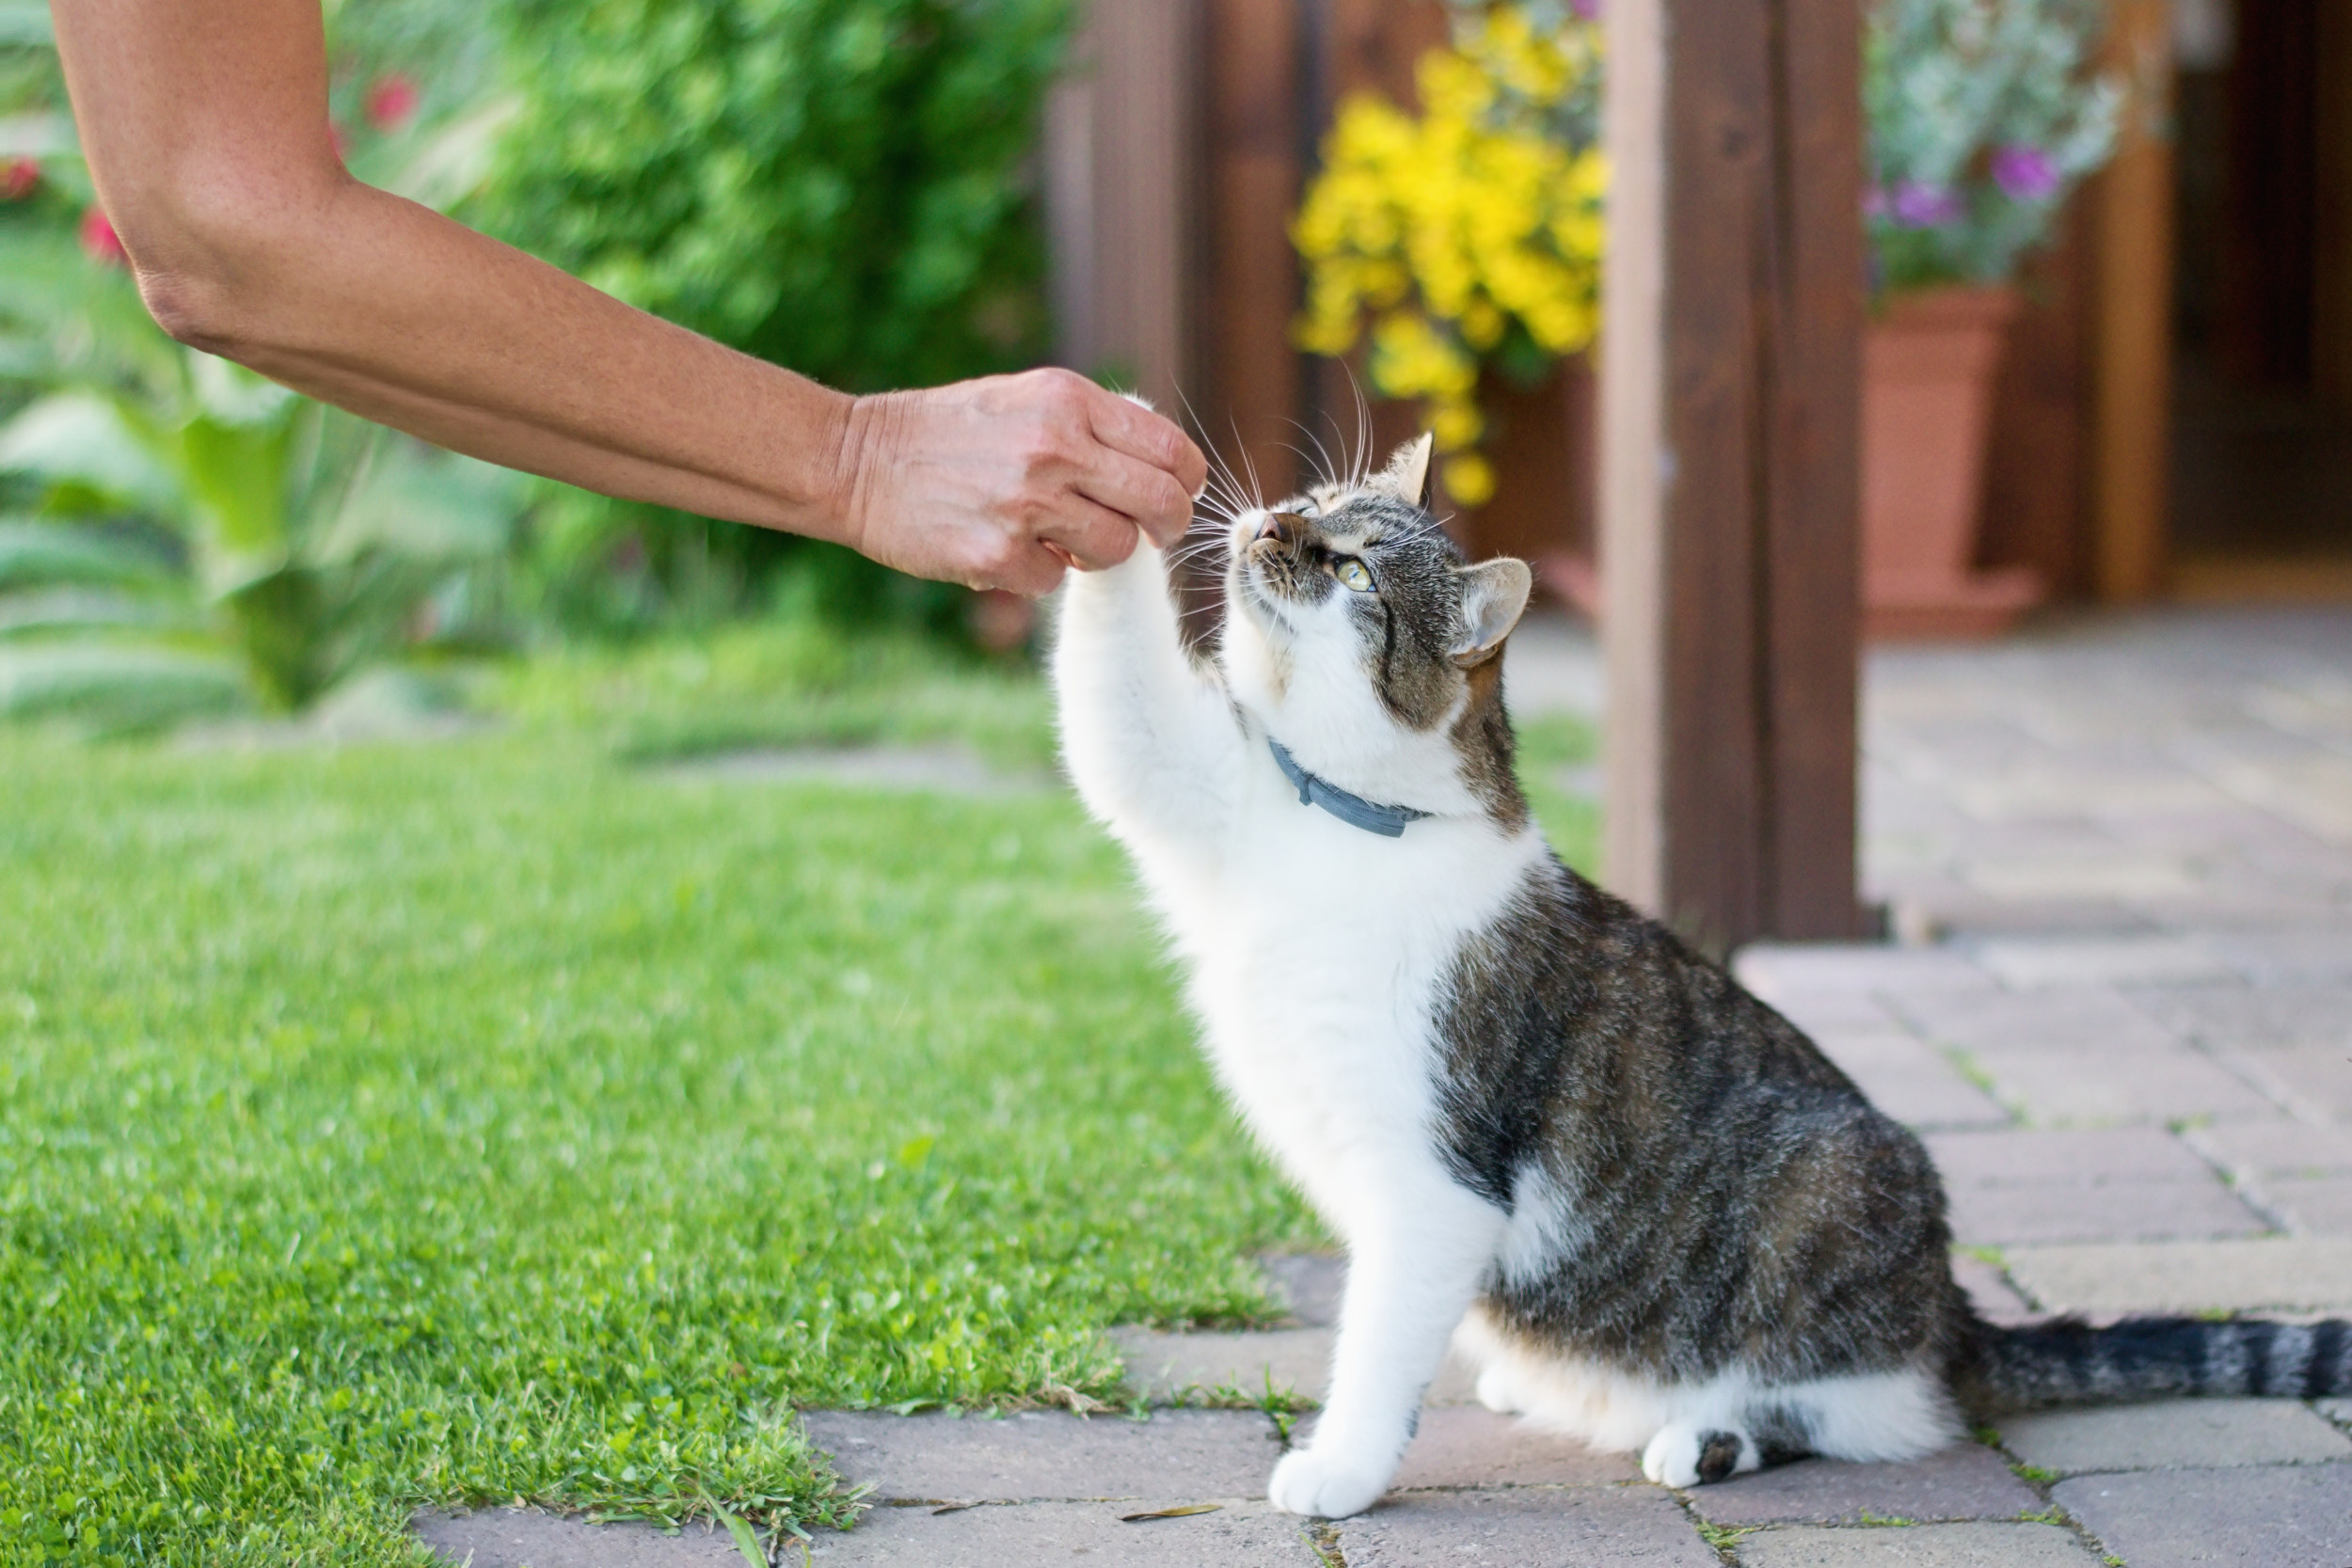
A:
<point x="2024" y="173"/>
<point x="100" y="242"/>
<point x="1922" y="206"/>
<point x="18" y="179"/>
<point x="391" y="103"/>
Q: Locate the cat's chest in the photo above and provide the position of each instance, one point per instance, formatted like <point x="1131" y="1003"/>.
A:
<point x="1321" y="957"/>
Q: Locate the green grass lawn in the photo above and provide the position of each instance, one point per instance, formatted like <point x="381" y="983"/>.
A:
<point x="495" y="1118"/>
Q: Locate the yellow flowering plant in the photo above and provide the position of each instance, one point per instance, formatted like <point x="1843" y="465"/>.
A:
<point x="1470" y="235"/>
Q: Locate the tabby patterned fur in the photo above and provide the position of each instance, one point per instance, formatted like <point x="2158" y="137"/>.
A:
<point x="1545" y="1129"/>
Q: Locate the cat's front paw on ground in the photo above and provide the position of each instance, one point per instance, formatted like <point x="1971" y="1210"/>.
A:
<point x="1685" y="1454"/>
<point x="1326" y="1485"/>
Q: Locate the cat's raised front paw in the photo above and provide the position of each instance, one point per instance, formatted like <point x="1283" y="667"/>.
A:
<point x="1687" y="1454"/>
<point x="1327" y="1486"/>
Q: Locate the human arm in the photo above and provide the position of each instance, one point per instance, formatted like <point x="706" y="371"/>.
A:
<point x="206" y="127"/>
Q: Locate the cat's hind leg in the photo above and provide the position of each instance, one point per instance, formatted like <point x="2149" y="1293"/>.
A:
<point x="1698" y="1452"/>
<point x="1725" y="1430"/>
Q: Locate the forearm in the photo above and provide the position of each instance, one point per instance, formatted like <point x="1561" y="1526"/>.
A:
<point x="206" y="129"/>
<point x="382" y="306"/>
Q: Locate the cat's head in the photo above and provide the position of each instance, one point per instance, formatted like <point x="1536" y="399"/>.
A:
<point x="1361" y="635"/>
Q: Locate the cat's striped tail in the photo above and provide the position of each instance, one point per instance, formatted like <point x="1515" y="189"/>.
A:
<point x="2067" y="1361"/>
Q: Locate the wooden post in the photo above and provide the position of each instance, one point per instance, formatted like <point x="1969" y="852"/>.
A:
<point x="1119" y="197"/>
<point x="1729" y="464"/>
<point x="2132" y="389"/>
<point x="1256" y="126"/>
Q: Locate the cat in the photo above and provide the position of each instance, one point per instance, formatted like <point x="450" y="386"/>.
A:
<point x="1651" y="1211"/>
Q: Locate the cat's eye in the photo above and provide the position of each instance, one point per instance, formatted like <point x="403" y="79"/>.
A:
<point x="1353" y="573"/>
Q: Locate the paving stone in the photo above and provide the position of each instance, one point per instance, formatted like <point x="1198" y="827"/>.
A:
<point x="2278" y="1147"/>
<point x="1972" y="1545"/>
<point x="1050" y="1455"/>
<point x="1578" y="1526"/>
<point x="1470" y="1446"/>
<point x="2251" y="1016"/>
<point x="2311" y="1205"/>
<point x="1310" y="1283"/>
<point x="2099" y="962"/>
<point x="2071" y="1211"/>
<point x="2270" y="958"/>
<point x="2267" y="1272"/>
<point x="1182" y="1369"/>
<point x="2174" y="1434"/>
<point x="2087" y="1156"/>
<point x="2090" y="1018"/>
<point x="1166" y="1368"/>
<point x="532" y="1538"/>
<point x="1966" y="1481"/>
<point x="2092" y="874"/>
<point x="1245" y="1534"/>
<point x="1990" y="1291"/>
<point x="2287" y="1517"/>
<point x="1915" y="1084"/>
<point x="2313" y="1080"/>
<point x="1773" y="970"/>
<point x="2116" y="1087"/>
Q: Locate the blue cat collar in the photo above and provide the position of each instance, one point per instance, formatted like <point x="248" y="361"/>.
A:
<point x="1354" y="810"/>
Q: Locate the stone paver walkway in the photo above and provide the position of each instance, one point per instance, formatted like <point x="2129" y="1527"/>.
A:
<point x="2119" y="854"/>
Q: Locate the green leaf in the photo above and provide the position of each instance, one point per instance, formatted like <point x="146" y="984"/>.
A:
<point x="42" y="553"/>
<point x="236" y="476"/>
<point x="745" y="1541"/>
<point x="25" y="25"/>
<point x="89" y="438"/>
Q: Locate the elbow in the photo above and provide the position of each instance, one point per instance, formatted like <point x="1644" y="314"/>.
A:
<point x="212" y="265"/>
<point x="195" y="309"/>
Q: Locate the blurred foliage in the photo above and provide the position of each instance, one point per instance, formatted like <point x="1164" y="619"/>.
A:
<point x="841" y="186"/>
<point x="1984" y="115"/>
<point x="187" y="537"/>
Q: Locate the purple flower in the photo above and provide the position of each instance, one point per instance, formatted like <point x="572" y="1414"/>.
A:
<point x="1915" y="205"/>
<point x="1586" y="10"/>
<point x="2024" y="173"/>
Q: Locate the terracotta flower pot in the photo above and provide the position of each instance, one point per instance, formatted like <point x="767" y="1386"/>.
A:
<point x="1928" y="370"/>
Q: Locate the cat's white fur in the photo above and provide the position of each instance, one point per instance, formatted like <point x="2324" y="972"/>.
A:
<point x="1315" y="951"/>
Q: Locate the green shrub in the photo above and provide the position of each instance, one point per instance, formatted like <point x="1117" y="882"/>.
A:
<point x="840" y="186"/>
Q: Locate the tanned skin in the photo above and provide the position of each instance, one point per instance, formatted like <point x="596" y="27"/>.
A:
<point x="205" y="123"/>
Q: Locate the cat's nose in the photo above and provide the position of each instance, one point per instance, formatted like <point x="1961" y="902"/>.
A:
<point x="1277" y="526"/>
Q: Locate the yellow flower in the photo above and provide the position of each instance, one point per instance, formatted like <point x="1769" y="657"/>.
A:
<point x="1446" y="231"/>
<point x="1470" y="478"/>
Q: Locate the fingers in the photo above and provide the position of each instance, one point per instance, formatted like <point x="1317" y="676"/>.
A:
<point x="1092" y="536"/>
<point x="1032" y="570"/>
<point x="1135" y="432"/>
<point x="1145" y="497"/>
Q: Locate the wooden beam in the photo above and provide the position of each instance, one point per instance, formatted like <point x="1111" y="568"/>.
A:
<point x="1256" y="123"/>
<point x="2132" y="326"/>
<point x="1729" y="464"/>
<point x="1120" y="179"/>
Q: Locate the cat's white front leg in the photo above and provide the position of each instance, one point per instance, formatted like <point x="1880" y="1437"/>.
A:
<point x="1419" y="1251"/>
<point x="1150" y="738"/>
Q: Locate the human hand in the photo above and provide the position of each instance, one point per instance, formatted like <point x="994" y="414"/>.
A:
<point x="1002" y="482"/>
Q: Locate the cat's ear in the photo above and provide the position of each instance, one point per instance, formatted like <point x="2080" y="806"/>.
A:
<point x="1494" y="597"/>
<point x="1409" y="469"/>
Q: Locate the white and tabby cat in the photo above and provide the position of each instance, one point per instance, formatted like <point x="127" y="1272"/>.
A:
<point x="1657" y="1217"/>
